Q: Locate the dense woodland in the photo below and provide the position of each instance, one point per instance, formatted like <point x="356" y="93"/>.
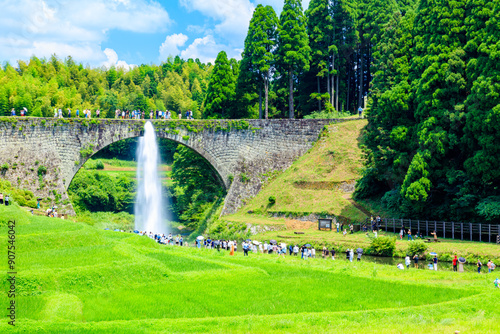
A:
<point x="429" y="70"/>
<point x="433" y="139"/>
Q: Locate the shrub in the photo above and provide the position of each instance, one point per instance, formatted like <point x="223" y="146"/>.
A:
<point x="186" y="138"/>
<point x="99" y="164"/>
<point x="417" y="247"/>
<point x="272" y="199"/>
<point x="244" y="178"/>
<point x="5" y="167"/>
<point x="42" y="170"/>
<point x="384" y="246"/>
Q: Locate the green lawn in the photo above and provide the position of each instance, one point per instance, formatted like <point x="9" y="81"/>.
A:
<point x="74" y="278"/>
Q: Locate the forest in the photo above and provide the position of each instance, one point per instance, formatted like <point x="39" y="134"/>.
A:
<point x="426" y="73"/>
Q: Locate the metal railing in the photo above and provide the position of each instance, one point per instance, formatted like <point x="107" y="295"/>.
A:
<point x="451" y="230"/>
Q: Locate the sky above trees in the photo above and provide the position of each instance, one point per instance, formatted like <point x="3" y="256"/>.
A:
<point x="125" y="32"/>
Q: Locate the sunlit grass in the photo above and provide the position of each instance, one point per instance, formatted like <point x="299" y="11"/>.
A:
<point x="74" y="278"/>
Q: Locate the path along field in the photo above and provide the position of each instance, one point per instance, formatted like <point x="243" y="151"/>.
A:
<point x="73" y="278"/>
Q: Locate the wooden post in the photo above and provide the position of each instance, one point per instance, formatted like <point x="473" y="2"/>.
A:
<point x="410" y="224"/>
<point x="418" y="225"/>
<point x="452" y="230"/>
<point x="426" y="228"/>
<point x="480" y="231"/>
<point x="394" y="225"/>
<point x="489" y="232"/>
<point x="436" y="226"/>
<point x="461" y="231"/>
<point x="470" y="229"/>
<point x="444" y="229"/>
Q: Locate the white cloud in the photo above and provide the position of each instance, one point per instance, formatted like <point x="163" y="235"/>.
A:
<point x="171" y="45"/>
<point x="233" y="16"/>
<point x="206" y="49"/>
<point x="70" y="27"/>
<point x="113" y="60"/>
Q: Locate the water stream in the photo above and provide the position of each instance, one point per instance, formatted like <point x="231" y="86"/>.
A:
<point x="150" y="213"/>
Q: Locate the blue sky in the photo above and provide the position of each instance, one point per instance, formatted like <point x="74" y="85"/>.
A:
<point x="125" y="32"/>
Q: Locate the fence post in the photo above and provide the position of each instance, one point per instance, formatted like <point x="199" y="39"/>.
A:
<point x="461" y="231"/>
<point x="444" y="229"/>
<point x="480" y="231"/>
<point x="409" y="220"/>
<point x="470" y="229"/>
<point x="452" y="230"/>
<point x="426" y="228"/>
<point x="436" y="226"/>
<point x="394" y="225"/>
<point x="489" y="232"/>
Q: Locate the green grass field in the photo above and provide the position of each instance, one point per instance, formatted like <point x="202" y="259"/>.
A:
<point x="75" y="278"/>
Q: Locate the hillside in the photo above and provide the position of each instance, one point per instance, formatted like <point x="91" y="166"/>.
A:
<point x="73" y="278"/>
<point x="321" y="181"/>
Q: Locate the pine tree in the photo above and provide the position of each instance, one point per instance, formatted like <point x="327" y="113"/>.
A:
<point x="221" y="89"/>
<point x="293" y="54"/>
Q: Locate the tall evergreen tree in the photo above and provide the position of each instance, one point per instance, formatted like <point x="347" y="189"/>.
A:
<point x="320" y="31"/>
<point x="293" y="54"/>
<point x="219" y="102"/>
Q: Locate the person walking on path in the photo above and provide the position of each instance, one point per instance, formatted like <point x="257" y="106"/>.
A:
<point x="435" y="262"/>
<point x="479" y="265"/>
<point x="415" y="259"/>
<point x="455" y="261"/>
<point x="407" y="261"/>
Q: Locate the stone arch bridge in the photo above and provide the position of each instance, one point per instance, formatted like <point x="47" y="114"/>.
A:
<point x="233" y="147"/>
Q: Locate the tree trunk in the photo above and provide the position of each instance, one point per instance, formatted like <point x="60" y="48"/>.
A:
<point x="290" y="97"/>
<point x="319" y="92"/>
<point x="361" y="77"/>
<point x="260" y="103"/>
<point x="266" y="89"/>
<point x="337" y="93"/>
<point x="328" y="87"/>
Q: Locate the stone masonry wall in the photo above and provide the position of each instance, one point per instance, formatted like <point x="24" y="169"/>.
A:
<point x="246" y="154"/>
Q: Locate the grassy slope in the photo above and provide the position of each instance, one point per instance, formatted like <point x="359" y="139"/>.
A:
<point x="311" y="183"/>
<point x="73" y="278"/>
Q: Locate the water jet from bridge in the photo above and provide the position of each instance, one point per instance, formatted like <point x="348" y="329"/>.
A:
<point x="149" y="206"/>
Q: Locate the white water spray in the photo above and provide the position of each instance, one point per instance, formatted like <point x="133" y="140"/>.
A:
<point x="149" y="206"/>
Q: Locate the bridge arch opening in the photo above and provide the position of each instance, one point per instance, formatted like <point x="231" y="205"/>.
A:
<point x="180" y="162"/>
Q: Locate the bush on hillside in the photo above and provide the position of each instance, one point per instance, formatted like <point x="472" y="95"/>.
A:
<point x="383" y="246"/>
<point x="417" y="247"/>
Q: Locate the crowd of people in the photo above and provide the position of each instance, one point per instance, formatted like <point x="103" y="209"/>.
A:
<point x="153" y="114"/>
<point x="120" y="114"/>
